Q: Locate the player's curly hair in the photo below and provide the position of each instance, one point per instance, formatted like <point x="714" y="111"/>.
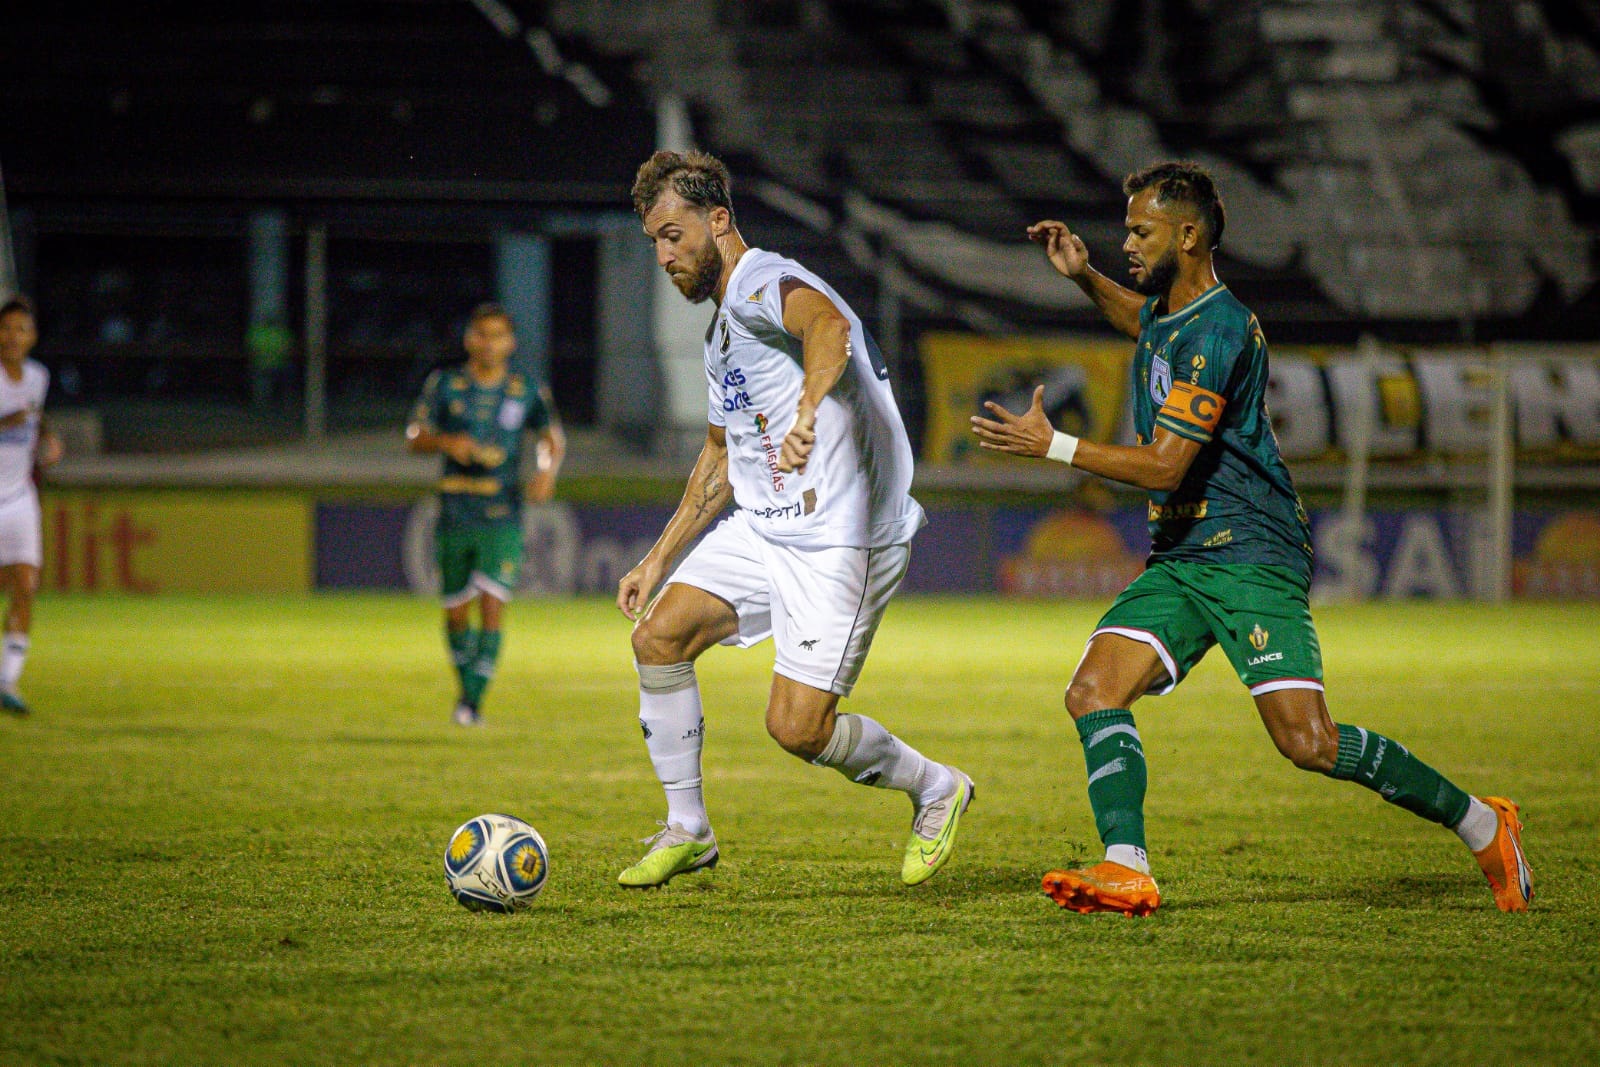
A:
<point x="699" y="177"/>
<point x="1186" y="183"/>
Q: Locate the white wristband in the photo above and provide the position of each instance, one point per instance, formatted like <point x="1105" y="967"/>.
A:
<point x="1063" y="446"/>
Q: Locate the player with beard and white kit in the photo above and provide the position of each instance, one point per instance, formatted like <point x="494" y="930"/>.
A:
<point x="805" y="440"/>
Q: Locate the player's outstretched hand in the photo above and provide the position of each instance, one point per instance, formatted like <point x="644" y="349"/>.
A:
<point x="1027" y="434"/>
<point x="633" y="592"/>
<point x="1065" y="250"/>
<point x="796" y="450"/>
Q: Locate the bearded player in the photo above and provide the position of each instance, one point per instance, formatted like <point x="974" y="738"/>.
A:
<point x="1230" y="562"/>
<point x="807" y="444"/>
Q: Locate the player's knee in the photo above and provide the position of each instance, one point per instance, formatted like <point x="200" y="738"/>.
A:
<point x="652" y="645"/>
<point x="1088" y="692"/>
<point x="1307" y="750"/>
<point x="797" y="737"/>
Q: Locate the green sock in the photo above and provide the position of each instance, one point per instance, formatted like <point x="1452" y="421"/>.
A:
<point x="463" y="650"/>
<point x="1114" y="756"/>
<point x="1389" y="769"/>
<point x="481" y="668"/>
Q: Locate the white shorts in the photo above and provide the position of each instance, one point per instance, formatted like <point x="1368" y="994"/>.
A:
<point x="19" y="528"/>
<point x="820" y="606"/>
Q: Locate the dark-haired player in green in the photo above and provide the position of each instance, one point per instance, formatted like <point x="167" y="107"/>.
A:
<point x="1230" y="561"/>
<point x="477" y="417"/>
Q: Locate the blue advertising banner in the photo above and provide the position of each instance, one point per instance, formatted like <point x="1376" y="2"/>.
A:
<point x="1025" y="552"/>
<point x="1430" y="553"/>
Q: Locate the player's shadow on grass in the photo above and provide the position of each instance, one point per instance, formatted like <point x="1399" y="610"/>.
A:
<point x="157" y="730"/>
<point x="417" y="741"/>
<point x="786" y="883"/>
<point x="1425" y="892"/>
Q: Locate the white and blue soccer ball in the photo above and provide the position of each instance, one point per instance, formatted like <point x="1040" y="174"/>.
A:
<point x="496" y="863"/>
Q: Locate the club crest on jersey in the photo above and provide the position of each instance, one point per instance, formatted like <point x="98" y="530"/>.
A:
<point x="757" y="296"/>
<point x="761" y="423"/>
<point x="726" y="339"/>
<point x="512" y="412"/>
<point x="1160" y="379"/>
<point x="1258" y="637"/>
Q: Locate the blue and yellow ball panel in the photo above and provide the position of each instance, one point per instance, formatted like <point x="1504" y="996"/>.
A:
<point x="466" y="846"/>
<point x="523" y="865"/>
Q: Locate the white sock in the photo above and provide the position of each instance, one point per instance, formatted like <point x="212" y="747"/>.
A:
<point x="674" y="730"/>
<point x="1129" y="856"/>
<point x="1478" y="826"/>
<point x="13" y="653"/>
<point x="867" y="754"/>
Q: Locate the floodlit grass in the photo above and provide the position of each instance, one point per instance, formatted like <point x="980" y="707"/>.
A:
<point x="221" y="835"/>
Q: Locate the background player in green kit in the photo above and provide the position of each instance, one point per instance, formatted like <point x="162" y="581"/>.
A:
<point x="1230" y="562"/>
<point x="477" y="416"/>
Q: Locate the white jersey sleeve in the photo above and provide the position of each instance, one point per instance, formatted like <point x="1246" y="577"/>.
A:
<point x="855" y="490"/>
<point x="18" y="442"/>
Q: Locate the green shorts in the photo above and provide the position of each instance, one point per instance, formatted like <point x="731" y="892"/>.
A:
<point x="1258" y="614"/>
<point x="477" y="559"/>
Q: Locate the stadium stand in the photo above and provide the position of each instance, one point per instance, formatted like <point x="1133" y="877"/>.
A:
<point x="1375" y="122"/>
<point x="1445" y="154"/>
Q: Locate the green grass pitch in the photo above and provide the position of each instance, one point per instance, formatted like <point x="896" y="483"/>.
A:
<point x="221" y="836"/>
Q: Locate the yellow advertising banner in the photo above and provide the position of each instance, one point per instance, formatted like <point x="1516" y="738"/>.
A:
<point x="177" y="541"/>
<point x="1084" y="379"/>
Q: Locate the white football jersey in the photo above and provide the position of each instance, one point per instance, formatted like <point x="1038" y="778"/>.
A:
<point x="855" y="490"/>
<point x="17" y="442"/>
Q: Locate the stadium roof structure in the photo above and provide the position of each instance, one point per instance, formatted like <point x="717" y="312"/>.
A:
<point x="378" y="100"/>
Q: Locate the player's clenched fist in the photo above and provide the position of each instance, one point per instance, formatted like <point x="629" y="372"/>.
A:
<point x="796" y="450"/>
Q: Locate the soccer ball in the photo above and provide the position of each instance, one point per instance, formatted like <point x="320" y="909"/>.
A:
<point x="496" y="863"/>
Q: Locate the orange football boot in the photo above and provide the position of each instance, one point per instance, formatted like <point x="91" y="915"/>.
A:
<point x="1106" y="886"/>
<point x="1503" y="862"/>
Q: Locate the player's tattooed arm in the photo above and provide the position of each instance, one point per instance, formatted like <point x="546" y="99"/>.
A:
<point x="825" y="334"/>
<point x="1070" y="257"/>
<point x="706" y="495"/>
<point x="713" y="494"/>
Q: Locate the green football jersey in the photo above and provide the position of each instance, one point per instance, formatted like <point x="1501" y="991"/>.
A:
<point x="489" y="489"/>
<point x="1202" y="373"/>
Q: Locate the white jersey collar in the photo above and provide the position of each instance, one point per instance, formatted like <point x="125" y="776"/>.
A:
<point x="738" y="268"/>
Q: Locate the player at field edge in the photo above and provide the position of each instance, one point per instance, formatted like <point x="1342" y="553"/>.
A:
<point x="25" y="443"/>
<point x="1230" y="562"/>
<point x="805" y="440"/>
<point x="477" y="417"/>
